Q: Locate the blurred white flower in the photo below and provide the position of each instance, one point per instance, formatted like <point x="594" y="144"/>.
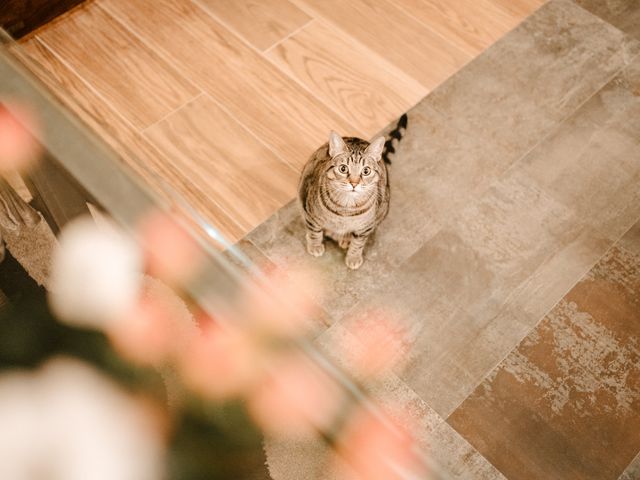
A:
<point x="20" y="420"/>
<point x="96" y="274"/>
<point x="69" y="422"/>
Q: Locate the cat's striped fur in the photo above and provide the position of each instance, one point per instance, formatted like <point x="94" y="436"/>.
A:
<point x="344" y="191"/>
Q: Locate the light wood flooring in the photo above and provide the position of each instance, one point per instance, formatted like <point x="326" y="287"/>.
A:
<point x="224" y="100"/>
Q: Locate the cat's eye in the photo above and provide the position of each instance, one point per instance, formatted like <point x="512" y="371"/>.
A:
<point x="343" y="168"/>
<point x="366" y="171"/>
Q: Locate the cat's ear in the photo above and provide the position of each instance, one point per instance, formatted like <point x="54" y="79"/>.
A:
<point x="336" y="144"/>
<point x="375" y="147"/>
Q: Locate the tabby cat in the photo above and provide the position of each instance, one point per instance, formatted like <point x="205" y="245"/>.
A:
<point x="344" y="192"/>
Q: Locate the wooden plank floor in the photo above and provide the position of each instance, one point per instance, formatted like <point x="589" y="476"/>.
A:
<point x="225" y="100"/>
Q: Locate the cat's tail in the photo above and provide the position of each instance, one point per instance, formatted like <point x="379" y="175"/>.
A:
<point x="393" y="138"/>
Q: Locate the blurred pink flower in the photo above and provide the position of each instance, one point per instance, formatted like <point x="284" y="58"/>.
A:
<point x="383" y="345"/>
<point x="158" y="326"/>
<point x="18" y="148"/>
<point x="143" y="335"/>
<point x="295" y="399"/>
<point x="220" y="363"/>
<point x="280" y="305"/>
<point x="171" y="253"/>
<point x="377" y="449"/>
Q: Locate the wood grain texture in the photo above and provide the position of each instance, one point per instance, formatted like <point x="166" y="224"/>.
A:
<point x="130" y="76"/>
<point x="364" y="88"/>
<point x="471" y="25"/>
<point x="396" y="36"/>
<point x="277" y="110"/>
<point x="220" y="156"/>
<point x="282" y="73"/>
<point x="135" y="151"/>
<point x="262" y="23"/>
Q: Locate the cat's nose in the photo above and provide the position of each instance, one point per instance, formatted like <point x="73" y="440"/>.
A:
<point x="353" y="183"/>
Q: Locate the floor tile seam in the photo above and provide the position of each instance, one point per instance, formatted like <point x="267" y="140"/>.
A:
<point x="130" y="153"/>
<point x="289" y="35"/>
<point x="617" y="244"/>
<point x="267" y="59"/>
<point x="146" y="129"/>
<point x="560" y="123"/>
<point x="158" y="53"/>
<point x="312" y="11"/>
<point x="603" y="20"/>
<point x="633" y="460"/>
<point x="64" y="94"/>
<point x="530" y="330"/>
<point x="203" y="91"/>
<point x="123" y="23"/>
<point x="370" y="54"/>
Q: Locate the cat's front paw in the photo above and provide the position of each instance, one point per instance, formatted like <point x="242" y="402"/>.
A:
<point x="354" y="261"/>
<point x="315" y="249"/>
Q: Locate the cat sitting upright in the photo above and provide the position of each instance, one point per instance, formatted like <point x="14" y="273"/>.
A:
<point x="344" y="192"/>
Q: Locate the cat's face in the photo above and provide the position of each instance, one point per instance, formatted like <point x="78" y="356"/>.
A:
<point x="356" y="164"/>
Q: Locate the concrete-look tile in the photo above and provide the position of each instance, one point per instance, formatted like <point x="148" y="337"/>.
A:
<point x="554" y="278"/>
<point x="484" y="104"/>
<point x="268" y="233"/>
<point x="516" y="92"/>
<point x="448" y="454"/>
<point x="631" y="240"/>
<point x="435" y="170"/>
<point x="441" y="164"/>
<point x="561" y="55"/>
<point x="564" y="403"/>
<point x="472" y="292"/>
<point x="632" y="472"/>
<point x="474" y="126"/>
<point x="452" y="458"/>
<point x="388" y="391"/>
<point x="493" y="245"/>
<point x="592" y="162"/>
<point x="513" y="225"/>
<point x="622" y="14"/>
